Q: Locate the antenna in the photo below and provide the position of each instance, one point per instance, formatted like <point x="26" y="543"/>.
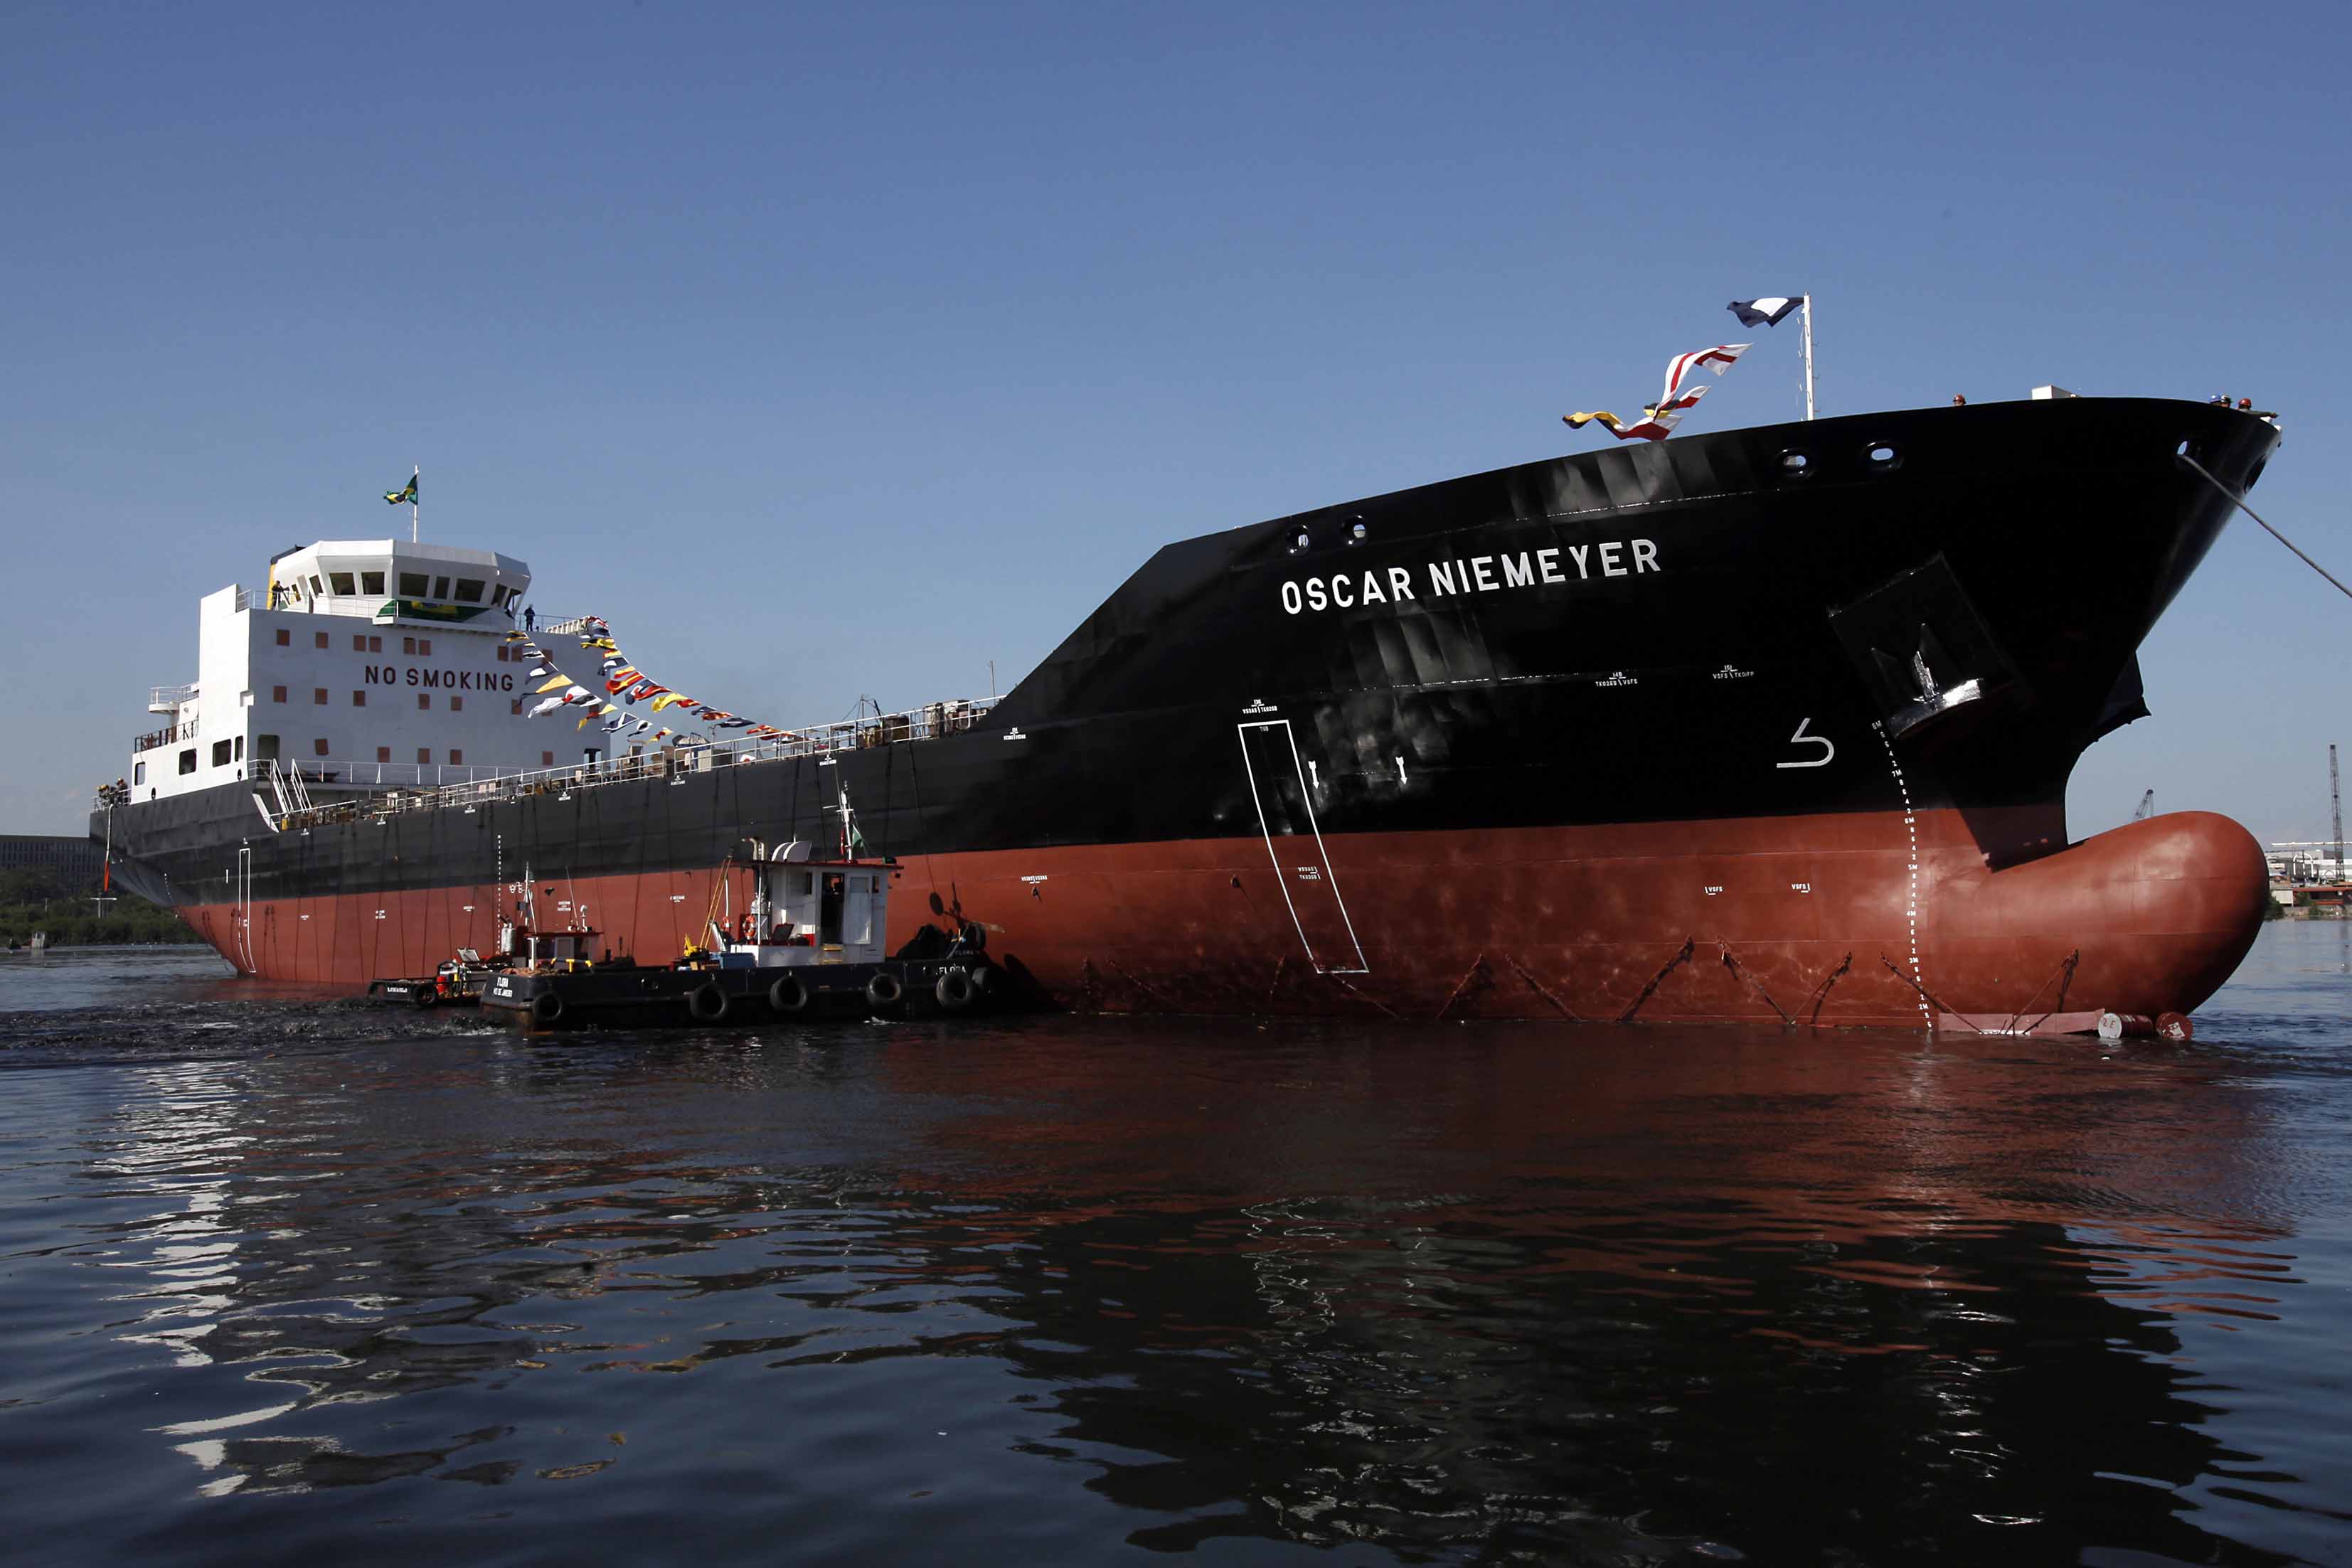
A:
<point x="2336" y="801"/>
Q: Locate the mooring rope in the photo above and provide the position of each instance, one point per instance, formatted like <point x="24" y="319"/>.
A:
<point x="2239" y="502"/>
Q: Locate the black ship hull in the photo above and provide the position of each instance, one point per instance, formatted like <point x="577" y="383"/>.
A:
<point x="1692" y="729"/>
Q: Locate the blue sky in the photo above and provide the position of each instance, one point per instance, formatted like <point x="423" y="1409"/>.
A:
<point x="967" y="310"/>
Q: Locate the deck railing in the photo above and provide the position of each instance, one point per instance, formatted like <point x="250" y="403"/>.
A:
<point x="407" y="787"/>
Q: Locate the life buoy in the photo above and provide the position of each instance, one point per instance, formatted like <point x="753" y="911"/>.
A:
<point x="746" y="928"/>
<point x="707" y="1003"/>
<point x="952" y="989"/>
<point x="788" y="995"/>
<point x="884" y="990"/>
<point x="547" y="1010"/>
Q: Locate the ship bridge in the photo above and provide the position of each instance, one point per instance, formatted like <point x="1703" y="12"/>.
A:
<point x="359" y="665"/>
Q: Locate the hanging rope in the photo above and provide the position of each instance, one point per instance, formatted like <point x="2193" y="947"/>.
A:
<point x="2239" y="502"/>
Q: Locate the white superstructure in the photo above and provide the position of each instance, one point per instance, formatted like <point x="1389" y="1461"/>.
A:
<point x="361" y="663"/>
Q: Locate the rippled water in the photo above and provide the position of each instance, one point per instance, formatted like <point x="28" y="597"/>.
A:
<point x="288" y="1278"/>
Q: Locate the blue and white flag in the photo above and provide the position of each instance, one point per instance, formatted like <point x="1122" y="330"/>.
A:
<point x="1764" y="313"/>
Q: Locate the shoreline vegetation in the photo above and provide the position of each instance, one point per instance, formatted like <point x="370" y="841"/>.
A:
<point x="34" y="899"/>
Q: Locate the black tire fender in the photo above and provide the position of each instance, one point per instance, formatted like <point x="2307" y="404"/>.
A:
<point x="708" y="1002"/>
<point x="884" y="990"/>
<point x="422" y="996"/>
<point x="788" y="996"/>
<point x="547" y="1010"/>
<point x="953" y="990"/>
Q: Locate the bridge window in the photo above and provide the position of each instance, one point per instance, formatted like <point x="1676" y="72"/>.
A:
<point x="412" y="585"/>
<point x="341" y="582"/>
<point x="440" y="588"/>
<point x="469" y="590"/>
<point x="315" y="590"/>
<point x="371" y="582"/>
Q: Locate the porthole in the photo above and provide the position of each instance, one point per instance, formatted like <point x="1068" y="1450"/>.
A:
<point x="1299" y="541"/>
<point x="1795" y="465"/>
<point x="1356" y="534"/>
<point x="1884" y="456"/>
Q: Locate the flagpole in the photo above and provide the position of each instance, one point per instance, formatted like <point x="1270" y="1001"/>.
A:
<point x="1809" y="356"/>
<point x="416" y="470"/>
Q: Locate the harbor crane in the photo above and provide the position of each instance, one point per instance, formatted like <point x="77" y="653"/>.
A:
<point x="2147" y="807"/>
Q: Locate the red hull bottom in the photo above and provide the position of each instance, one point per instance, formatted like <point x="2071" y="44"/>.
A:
<point x="1847" y="919"/>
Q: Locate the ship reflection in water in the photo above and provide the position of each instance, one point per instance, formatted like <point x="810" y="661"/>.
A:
<point x="1050" y="1291"/>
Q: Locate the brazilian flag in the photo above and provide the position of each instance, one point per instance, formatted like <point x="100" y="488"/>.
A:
<point x="403" y="497"/>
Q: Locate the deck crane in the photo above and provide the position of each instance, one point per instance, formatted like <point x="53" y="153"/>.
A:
<point x="2147" y="807"/>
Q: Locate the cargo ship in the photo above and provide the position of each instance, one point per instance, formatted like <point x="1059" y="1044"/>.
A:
<point x="1770" y="725"/>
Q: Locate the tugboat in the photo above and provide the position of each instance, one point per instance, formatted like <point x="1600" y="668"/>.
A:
<point x="458" y="982"/>
<point x="810" y="942"/>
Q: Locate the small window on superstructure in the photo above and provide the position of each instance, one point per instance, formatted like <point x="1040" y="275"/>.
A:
<point x="359" y="643"/>
<point x="220" y="753"/>
<point x="359" y="699"/>
<point x="319" y="746"/>
<point x="412" y="585"/>
<point x="516" y="706"/>
<point x="469" y="590"/>
<point x="343" y="583"/>
<point x="457" y="758"/>
<point x="375" y="645"/>
<point x="424" y="701"/>
<point x="425" y="646"/>
<point x="408" y="644"/>
<point x="456" y="705"/>
<point x="383" y="754"/>
<point x="546" y="759"/>
<point x="317" y="696"/>
<point x="278" y="693"/>
<point x="265" y="747"/>
<point x="424" y="754"/>
<point x="240" y="748"/>
<point x="371" y="582"/>
<point x="188" y="760"/>
<point x="318" y="638"/>
<point x="285" y="637"/>
<point x="139" y="773"/>
<point x="315" y="590"/>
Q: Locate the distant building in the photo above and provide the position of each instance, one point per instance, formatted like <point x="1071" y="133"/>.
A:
<point x="75" y="861"/>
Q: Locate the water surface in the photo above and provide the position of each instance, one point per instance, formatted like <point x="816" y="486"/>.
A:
<point x="291" y="1276"/>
